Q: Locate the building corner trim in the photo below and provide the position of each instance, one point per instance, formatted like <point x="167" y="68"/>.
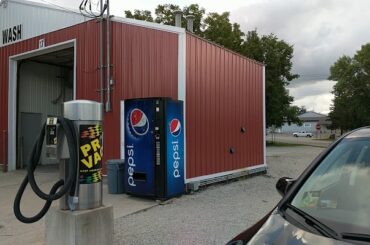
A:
<point x="181" y="86"/>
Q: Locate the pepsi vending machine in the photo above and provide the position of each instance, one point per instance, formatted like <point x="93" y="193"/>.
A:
<point x="154" y="147"/>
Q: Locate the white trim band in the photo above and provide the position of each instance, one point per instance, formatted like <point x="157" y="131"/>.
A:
<point x="149" y="25"/>
<point x="217" y="175"/>
<point x="181" y="85"/>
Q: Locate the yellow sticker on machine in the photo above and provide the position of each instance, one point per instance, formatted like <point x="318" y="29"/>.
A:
<point x="90" y="154"/>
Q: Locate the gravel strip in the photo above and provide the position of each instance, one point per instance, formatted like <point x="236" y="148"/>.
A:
<point x="215" y="214"/>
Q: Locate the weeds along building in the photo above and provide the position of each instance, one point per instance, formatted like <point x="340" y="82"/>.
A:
<point x="50" y="55"/>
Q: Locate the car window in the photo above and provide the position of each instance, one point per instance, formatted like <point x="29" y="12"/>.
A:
<point x="338" y="191"/>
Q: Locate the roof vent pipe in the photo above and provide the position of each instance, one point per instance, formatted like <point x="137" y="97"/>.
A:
<point x="178" y="15"/>
<point x="190" y="23"/>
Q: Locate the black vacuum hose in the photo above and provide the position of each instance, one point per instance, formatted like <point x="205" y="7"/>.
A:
<point x="68" y="185"/>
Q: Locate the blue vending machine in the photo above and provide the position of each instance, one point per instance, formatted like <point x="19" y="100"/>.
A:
<point x="154" y="147"/>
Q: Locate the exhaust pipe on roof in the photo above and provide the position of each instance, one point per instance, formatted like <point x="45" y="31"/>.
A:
<point x="190" y="23"/>
<point x="178" y="16"/>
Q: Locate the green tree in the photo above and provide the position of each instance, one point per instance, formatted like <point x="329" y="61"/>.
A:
<point x="302" y="110"/>
<point x="139" y="15"/>
<point x="219" y="30"/>
<point x="277" y="56"/>
<point x="165" y="15"/>
<point x="198" y="13"/>
<point x="351" y="104"/>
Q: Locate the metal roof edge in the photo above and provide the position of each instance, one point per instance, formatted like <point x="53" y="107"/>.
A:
<point x="312" y="114"/>
<point x="46" y="33"/>
<point x="47" y="6"/>
<point x="150" y="25"/>
<point x="229" y="50"/>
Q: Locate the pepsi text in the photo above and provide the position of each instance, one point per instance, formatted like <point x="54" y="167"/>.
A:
<point x="176" y="159"/>
<point x="131" y="163"/>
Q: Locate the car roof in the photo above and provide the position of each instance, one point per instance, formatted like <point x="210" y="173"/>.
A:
<point x="359" y="133"/>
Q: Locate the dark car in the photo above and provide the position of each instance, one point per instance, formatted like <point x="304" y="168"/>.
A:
<point x="328" y="204"/>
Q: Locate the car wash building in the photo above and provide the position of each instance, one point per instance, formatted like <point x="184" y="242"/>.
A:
<point x="50" y="55"/>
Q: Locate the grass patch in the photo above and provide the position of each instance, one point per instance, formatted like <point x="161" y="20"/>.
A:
<point x="280" y="144"/>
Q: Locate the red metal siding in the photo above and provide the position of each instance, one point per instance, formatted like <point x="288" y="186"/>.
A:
<point x="224" y="92"/>
<point x="87" y="74"/>
<point x="144" y="64"/>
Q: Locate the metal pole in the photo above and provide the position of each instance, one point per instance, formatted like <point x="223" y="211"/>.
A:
<point x="101" y="54"/>
<point x="108" y="104"/>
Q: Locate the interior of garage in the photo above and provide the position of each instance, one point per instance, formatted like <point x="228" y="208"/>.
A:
<point x="44" y="83"/>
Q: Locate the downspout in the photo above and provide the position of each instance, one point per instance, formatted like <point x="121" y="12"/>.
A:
<point x="101" y="55"/>
<point x="108" y="104"/>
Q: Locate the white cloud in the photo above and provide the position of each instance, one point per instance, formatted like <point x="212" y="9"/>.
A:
<point x="118" y="6"/>
<point x="314" y="95"/>
<point x="318" y="103"/>
<point x="210" y="6"/>
<point x="321" y="31"/>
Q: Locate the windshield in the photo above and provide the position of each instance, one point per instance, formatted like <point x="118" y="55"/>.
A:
<point x="338" y="192"/>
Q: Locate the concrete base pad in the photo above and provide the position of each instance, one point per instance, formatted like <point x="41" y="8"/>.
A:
<point x="93" y="226"/>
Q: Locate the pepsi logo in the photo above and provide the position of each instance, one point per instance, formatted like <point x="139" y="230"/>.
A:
<point x="175" y="127"/>
<point x="139" y="122"/>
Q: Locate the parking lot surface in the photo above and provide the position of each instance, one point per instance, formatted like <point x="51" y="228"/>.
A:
<point x="219" y="212"/>
<point x="212" y="215"/>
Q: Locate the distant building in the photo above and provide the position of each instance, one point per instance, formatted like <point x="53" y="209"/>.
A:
<point x="310" y="120"/>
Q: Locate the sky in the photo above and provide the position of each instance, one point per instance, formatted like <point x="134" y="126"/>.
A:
<point x="320" y="32"/>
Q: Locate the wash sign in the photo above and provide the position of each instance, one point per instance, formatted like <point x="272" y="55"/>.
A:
<point x="12" y="34"/>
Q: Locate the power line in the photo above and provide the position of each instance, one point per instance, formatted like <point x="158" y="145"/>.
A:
<point x="314" y="75"/>
<point x="86" y="9"/>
